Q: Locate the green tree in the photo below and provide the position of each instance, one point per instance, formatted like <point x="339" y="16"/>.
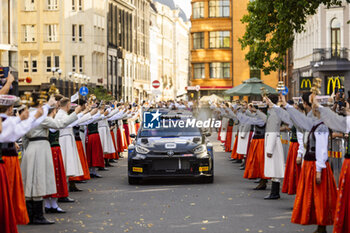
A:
<point x="101" y="94"/>
<point x="270" y="28"/>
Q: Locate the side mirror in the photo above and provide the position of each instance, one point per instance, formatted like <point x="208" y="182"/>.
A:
<point x="207" y="134"/>
<point x="132" y="135"/>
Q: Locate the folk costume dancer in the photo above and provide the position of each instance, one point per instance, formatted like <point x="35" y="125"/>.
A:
<point x="116" y="132"/>
<point x="7" y="213"/>
<point x="94" y="151"/>
<point x="37" y="165"/>
<point x="295" y="153"/>
<point x="342" y="209"/>
<point x="78" y="127"/>
<point x="70" y="155"/>
<point x="234" y="134"/>
<point x="106" y="138"/>
<point x="255" y="164"/>
<point x="13" y="129"/>
<point x="51" y="205"/>
<point x="243" y="136"/>
<point x="316" y="193"/>
<point x="274" y="159"/>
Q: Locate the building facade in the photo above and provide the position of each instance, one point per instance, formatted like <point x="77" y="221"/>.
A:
<point x="8" y="33"/>
<point x="140" y="69"/>
<point x="169" y="50"/>
<point x="128" y="49"/>
<point x="121" y="14"/>
<point x="64" y="42"/>
<point x="217" y="61"/>
<point x="322" y="50"/>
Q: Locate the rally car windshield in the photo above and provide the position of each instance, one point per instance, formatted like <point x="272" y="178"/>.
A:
<point x="170" y="130"/>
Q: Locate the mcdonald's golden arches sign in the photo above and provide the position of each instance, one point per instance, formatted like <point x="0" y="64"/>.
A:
<point x="305" y="83"/>
<point x="333" y="82"/>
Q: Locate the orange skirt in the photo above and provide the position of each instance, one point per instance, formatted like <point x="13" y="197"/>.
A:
<point x="228" y="140"/>
<point x="342" y="213"/>
<point x="116" y="154"/>
<point x="292" y="172"/>
<point x="84" y="164"/>
<point x="120" y="146"/>
<point x="125" y="142"/>
<point x="16" y="191"/>
<point x="315" y="203"/>
<point x="7" y="214"/>
<point x="127" y="134"/>
<point x="234" y="149"/>
<point x="137" y="127"/>
<point x="219" y="132"/>
<point x="94" y="151"/>
<point x="255" y="160"/>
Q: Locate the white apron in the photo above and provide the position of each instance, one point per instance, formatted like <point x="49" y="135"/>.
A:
<point x="106" y="137"/>
<point x="242" y="146"/>
<point x="223" y="131"/>
<point x="274" y="167"/>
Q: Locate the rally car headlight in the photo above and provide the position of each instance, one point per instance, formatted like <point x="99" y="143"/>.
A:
<point x="200" y="149"/>
<point x="142" y="150"/>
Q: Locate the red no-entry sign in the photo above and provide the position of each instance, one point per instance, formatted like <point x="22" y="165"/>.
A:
<point x="155" y="84"/>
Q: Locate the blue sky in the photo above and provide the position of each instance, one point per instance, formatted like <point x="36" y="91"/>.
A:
<point x="185" y="6"/>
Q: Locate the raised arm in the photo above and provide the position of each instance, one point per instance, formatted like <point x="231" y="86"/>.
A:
<point x="334" y="121"/>
<point x="59" y="123"/>
<point x="283" y="115"/>
<point x="300" y="120"/>
<point x="250" y="120"/>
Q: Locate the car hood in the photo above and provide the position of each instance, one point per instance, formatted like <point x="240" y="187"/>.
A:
<point x="182" y="144"/>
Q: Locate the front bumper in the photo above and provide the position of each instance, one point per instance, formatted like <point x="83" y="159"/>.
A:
<point x="157" y="167"/>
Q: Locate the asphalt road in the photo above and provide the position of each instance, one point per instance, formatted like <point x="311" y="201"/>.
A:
<point x="229" y="205"/>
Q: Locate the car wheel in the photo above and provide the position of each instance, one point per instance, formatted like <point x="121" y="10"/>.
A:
<point x="133" y="180"/>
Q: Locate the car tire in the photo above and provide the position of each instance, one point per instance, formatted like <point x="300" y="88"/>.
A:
<point x="134" y="181"/>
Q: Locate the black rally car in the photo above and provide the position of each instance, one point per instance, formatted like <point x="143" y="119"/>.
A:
<point x="170" y="151"/>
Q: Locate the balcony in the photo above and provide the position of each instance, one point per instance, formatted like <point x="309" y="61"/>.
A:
<point x="330" y="54"/>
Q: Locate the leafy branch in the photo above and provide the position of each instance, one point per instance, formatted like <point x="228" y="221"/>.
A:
<point x="270" y="28"/>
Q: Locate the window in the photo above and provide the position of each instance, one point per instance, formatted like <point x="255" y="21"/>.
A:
<point x="198" y="10"/>
<point x="48" y="64"/>
<point x="57" y="61"/>
<point x="52" y="4"/>
<point x="74" y="29"/>
<point x="29" y="33"/>
<point x="34" y="64"/>
<point x="29" y="5"/>
<point x="25" y="65"/>
<point x="198" y="71"/>
<point x="198" y="40"/>
<point x="335" y="37"/>
<point x="81" y="31"/>
<point x="219" y="8"/>
<point x="81" y="64"/>
<point x="74" y="62"/>
<point x="219" y="39"/>
<point x="80" y="5"/>
<point x="255" y="73"/>
<point x="52" y="32"/>
<point x="73" y="5"/>
<point x="219" y="70"/>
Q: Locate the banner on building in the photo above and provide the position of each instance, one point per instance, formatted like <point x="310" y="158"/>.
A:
<point x="305" y="83"/>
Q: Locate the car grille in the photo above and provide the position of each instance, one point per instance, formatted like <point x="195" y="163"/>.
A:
<point x="170" y="165"/>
